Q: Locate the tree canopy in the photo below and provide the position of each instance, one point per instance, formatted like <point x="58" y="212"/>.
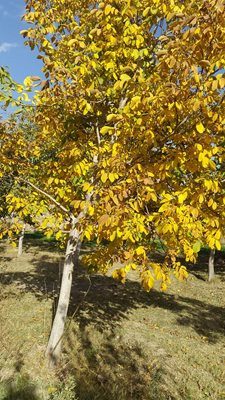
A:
<point x="132" y="116"/>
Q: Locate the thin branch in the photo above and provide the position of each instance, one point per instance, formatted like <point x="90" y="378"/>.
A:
<point x="46" y="195"/>
<point x="123" y="102"/>
<point x="98" y="135"/>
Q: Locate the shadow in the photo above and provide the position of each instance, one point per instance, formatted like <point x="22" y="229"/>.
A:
<point x="38" y="241"/>
<point x="2" y="248"/>
<point x="108" y="302"/>
<point x="43" y="282"/>
<point x="112" y="369"/>
<point x="5" y="259"/>
<point x="105" y="302"/>
<point x="19" y="387"/>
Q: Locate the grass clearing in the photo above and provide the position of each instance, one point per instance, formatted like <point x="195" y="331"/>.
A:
<point x="121" y="343"/>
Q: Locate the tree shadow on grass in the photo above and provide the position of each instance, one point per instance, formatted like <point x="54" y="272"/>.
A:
<point x="112" y="369"/>
<point x="19" y="387"/>
<point x="38" y="241"/>
<point x="100" y="304"/>
<point x="108" y="302"/>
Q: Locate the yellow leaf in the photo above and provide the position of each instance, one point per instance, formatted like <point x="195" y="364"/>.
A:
<point x="182" y="197"/>
<point x="110" y="117"/>
<point x="218" y="244"/>
<point x="91" y="210"/>
<point x="147" y="280"/>
<point x="111" y="177"/>
<point x="197" y="247"/>
<point x="210" y="202"/>
<point x="115" y="200"/>
<point x="52" y="390"/>
<point x="135" y="54"/>
<point x="198" y="146"/>
<point x="108" y="9"/>
<point x="200" y="127"/>
<point x="112" y="236"/>
<point x="86" y="186"/>
<point x="82" y="45"/>
<point x="58" y="235"/>
<point x="105" y="129"/>
<point x="164" y="207"/>
<point x="201" y="198"/>
<point x="124" y="77"/>
<point x="71" y="42"/>
<point x="61" y="193"/>
<point x="87" y="234"/>
<point x="140" y="250"/>
<point x="218" y="235"/>
<point x="166" y="228"/>
<point x="104" y="177"/>
<point x="178" y="105"/>
<point x="146" y="11"/>
<point x="28" y="81"/>
<point x="214" y="206"/>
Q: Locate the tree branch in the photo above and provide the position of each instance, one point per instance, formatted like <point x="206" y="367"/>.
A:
<point x="64" y="209"/>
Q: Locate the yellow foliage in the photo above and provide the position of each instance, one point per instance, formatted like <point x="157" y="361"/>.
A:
<point x="130" y="133"/>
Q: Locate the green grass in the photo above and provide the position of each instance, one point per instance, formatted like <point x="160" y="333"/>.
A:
<point x="122" y="343"/>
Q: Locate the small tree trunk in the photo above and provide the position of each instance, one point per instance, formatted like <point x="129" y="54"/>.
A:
<point x="211" y="265"/>
<point x="53" y="350"/>
<point x="20" y="244"/>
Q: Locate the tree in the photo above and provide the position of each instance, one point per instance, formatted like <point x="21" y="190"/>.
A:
<point x="211" y="265"/>
<point x="131" y="116"/>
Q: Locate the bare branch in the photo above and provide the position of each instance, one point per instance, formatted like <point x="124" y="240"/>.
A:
<point x="98" y="135"/>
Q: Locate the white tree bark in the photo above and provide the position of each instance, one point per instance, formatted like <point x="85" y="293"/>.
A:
<point x="20" y="244"/>
<point x="53" y="351"/>
<point x="211" y="265"/>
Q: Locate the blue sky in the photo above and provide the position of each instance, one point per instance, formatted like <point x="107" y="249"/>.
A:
<point x="13" y="53"/>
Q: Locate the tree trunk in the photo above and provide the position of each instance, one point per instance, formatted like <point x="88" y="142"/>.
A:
<point x="211" y="265"/>
<point x="53" y="351"/>
<point x="20" y="244"/>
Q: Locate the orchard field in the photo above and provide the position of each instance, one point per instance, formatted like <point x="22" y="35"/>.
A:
<point x="112" y="164"/>
<point x="120" y="342"/>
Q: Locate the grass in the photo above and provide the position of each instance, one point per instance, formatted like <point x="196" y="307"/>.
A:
<point x="121" y="343"/>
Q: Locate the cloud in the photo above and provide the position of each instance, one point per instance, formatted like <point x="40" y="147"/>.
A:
<point x="5" y="46"/>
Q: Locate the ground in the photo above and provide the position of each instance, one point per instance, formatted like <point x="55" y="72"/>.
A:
<point x="120" y="342"/>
